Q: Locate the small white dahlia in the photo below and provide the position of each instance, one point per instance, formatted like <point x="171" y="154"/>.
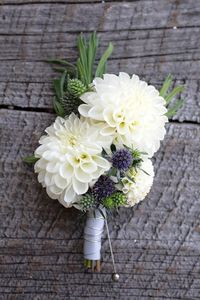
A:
<point x="69" y="158"/>
<point x="130" y="110"/>
<point x="138" y="184"/>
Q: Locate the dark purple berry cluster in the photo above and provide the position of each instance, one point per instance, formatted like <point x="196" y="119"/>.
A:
<point x="103" y="188"/>
<point x="122" y="159"/>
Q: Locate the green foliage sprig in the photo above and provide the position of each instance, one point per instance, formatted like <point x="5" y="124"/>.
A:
<point x="84" y="70"/>
<point x="169" y="96"/>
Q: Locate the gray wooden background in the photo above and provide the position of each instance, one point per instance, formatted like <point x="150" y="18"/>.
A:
<point x="157" y="244"/>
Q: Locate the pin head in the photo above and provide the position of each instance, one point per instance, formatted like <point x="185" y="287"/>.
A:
<point x="115" y="277"/>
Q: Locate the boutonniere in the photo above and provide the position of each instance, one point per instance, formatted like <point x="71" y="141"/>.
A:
<point x="96" y="156"/>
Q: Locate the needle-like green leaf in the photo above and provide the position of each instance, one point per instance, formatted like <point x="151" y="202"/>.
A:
<point x="170" y="96"/>
<point x="56" y="85"/>
<point x="102" y="63"/>
<point x="178" y="89"/>
<point x="173" y="110"/>
<point x="166" y="85"/>
<point x="58" y="107"/>
<point x="61" y="62"/>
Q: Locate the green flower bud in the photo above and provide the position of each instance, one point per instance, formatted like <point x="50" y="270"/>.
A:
<point x="76" y="87"/>
<point x="87" y="201"/>
<point x="115" y="200"/>
<point x="108" y="202"/>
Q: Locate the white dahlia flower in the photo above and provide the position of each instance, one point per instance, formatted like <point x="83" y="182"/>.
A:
<point x="70" y="158"/>
<point x="138" y="184"/>
<point x="130" y="110"/>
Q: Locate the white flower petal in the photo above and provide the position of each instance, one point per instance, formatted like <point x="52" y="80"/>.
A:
<point x="48" y="179"/>
<point x="102" y="162"/>
<point x="55" y="189"/>
<point x="79" y="187"/>
<point x="89" y="167"/>
<point x="69" y="194"/>
<point x="50" y="194"/>
<point x="60" y="182"/>
<point x="84" y="109"/>
<point x="52" y="167"/>
<point x="107" y="131"/>
<point x="66" y="170"/>
<point x="82" y="176"/>
<point x="96" y="113"/>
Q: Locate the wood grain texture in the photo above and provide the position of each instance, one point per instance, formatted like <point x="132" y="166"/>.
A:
<point x="156" y="245"/>
<point x="148" y="43"/>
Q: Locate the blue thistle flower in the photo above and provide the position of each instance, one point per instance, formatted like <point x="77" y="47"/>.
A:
<point x="103" y="188"/>
<point x="122" y="159"/>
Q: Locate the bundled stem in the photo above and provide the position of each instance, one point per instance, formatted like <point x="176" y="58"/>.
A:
<point x="94" y="265"/>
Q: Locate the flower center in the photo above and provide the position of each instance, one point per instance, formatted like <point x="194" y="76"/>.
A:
<point x="84" y="156"/>
<point x="72" y="140"/>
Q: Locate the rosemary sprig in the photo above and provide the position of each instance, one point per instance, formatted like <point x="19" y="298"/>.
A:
<point x="83" y="70"/>
<point x="169" y="96"/>
<point x="87" y="55"/>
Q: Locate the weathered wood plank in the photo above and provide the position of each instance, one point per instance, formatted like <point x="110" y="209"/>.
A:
<point x="152" y="52"/>
<point x="29" y="84"/>
<point x="156" y="245"/>
<point x="183" y="42"/>
<point x="25" y="2"/>
<point x="33" y="18"/>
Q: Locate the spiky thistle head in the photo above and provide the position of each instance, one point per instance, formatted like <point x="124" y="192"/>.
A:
<point x="103" y="188"/>
<point x="122" y="159"/>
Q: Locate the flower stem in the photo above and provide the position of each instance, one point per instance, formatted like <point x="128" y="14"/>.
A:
<point x="94" y="265"/>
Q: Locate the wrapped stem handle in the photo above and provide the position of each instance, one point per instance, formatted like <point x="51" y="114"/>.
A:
<point x="92" y="235"/>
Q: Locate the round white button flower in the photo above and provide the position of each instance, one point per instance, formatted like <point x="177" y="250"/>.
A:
<point x="70" y="158"/>
<point x="130" y="110"/>
<point x="137" y="184"/>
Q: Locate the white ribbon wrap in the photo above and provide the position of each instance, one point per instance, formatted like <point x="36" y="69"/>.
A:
<point x="92" y="234"/>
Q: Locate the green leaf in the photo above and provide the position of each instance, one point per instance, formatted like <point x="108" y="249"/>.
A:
<point x="112" y="172"/>
<point x="59" y="86"/>
<point x="166" y="85"/>
<point x="144" y="171"/>
<point x="102" y="63"/>
<point x="56" y="85"/>
<point x="82" y="60"/>
<point x="63" y="66"/>
<point x="91" y="54"/>
<point x="61" y="62"/>
<point x="173" y="110"/>
<point x="170" y="96"/>
<point x="113" y="148"/>
<point x="87" y="52"/>
<point x="59" y="109"/>
<point x="30" y="159"/>
<point x="131" y="179"/>
<point x="59" y="69"/>
<point x="178" y="89"/>
<point x="62" y="82"/>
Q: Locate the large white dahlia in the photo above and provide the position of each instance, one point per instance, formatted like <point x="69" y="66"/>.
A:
<point x="69" y="158"/>
<point x="130" y="110"/>
<point x="138" y="183"/>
